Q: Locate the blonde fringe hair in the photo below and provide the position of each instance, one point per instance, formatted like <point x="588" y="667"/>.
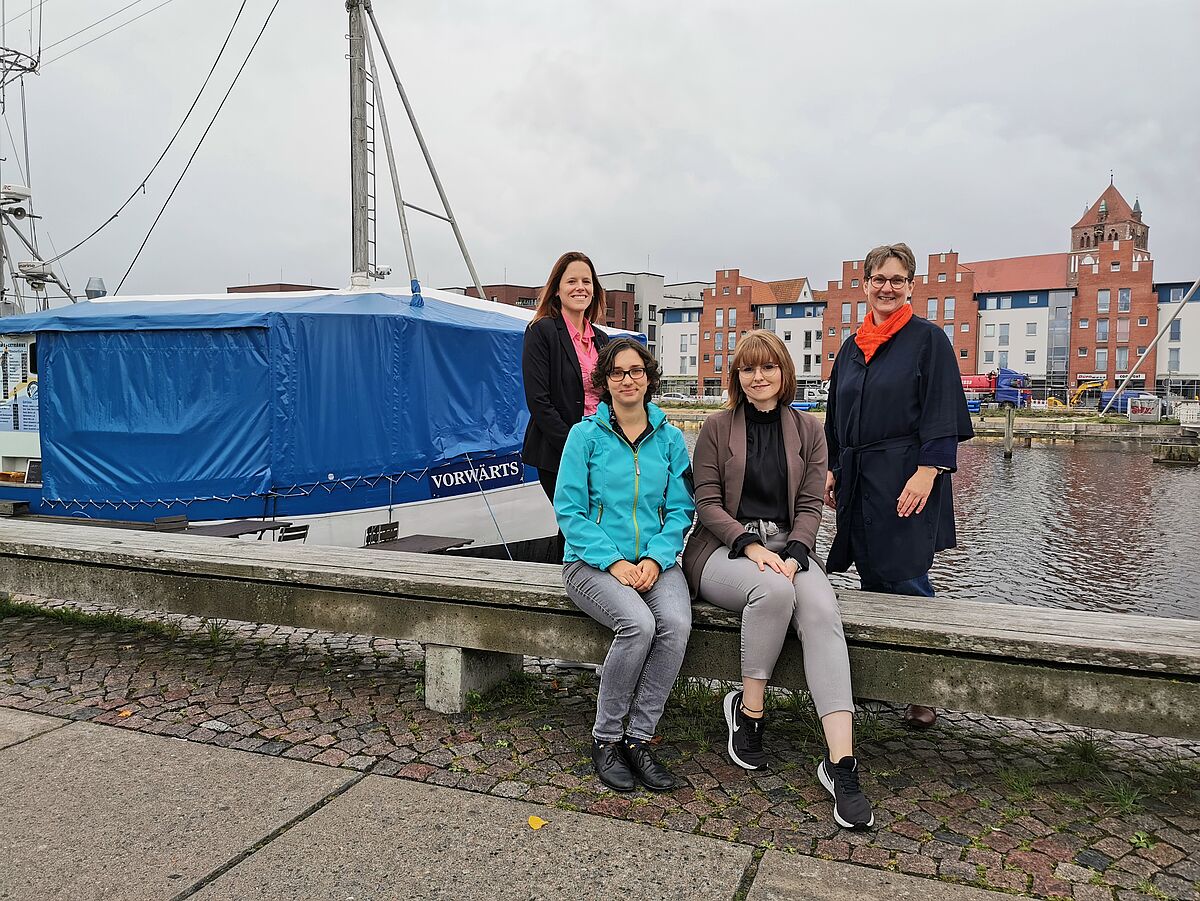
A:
<point x="754" y="349"/>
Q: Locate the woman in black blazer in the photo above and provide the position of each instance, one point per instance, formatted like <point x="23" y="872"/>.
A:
<point x="561" y="347"/>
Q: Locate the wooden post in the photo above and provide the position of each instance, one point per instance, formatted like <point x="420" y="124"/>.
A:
<point x="1010" y="415"/>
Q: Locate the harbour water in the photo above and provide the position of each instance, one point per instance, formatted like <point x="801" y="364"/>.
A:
<point x="1087" y="526"/>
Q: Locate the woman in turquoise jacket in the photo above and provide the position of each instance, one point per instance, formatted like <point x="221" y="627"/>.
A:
<point x="624" y="504"/>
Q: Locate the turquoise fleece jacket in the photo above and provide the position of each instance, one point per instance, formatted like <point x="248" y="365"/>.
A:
<point x="613" y="503"/>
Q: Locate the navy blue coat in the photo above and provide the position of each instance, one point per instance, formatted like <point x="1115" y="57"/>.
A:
<point x="876" y="420"/>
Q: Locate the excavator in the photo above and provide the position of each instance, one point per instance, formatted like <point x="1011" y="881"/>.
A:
<point x="1053" y="402"/>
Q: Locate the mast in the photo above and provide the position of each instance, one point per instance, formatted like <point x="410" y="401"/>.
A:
<point x="360" y="251"/>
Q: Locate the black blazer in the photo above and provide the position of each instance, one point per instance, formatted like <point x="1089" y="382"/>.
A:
<point x="553" y="389"/>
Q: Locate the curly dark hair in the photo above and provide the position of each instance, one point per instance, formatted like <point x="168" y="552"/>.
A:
<point x="604" y="365"/>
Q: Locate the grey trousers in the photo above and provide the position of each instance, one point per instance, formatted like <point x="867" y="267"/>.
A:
<point x="650" y="636"/>
<point x="769" y="603"/>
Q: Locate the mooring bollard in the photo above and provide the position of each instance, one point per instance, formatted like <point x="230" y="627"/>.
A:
<point x="1010" y="416"/>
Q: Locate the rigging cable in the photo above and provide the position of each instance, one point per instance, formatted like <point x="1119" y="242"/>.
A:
<point x="142" y="184"/>
<point x="93" y="25"/>
<point x="27" y="12"/>
<point x="212" y="122"/>
<point x="104" y="35"/>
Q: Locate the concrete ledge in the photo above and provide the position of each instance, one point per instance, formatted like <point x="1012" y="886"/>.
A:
<point x="1112" y="671"/>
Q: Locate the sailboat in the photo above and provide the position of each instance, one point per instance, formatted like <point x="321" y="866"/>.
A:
<point x="355" y="412"/>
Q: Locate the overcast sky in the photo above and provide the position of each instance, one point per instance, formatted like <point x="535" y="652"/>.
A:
<point x="777" y="137"/>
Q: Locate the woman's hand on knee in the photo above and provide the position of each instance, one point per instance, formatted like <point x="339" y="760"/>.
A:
<point x="765" y="558"/>
<point x="625" y="573"/>
<point x="650" y="571"/>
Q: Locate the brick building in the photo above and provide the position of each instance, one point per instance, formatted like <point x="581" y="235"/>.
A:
<point x="943" y="294"/>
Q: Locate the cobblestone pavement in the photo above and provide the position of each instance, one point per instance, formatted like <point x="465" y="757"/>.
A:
<point x="1001" y="804"/>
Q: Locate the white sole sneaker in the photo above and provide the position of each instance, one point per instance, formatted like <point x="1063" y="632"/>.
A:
<point x="729" y="704"/>
<point x="824" y="779"/>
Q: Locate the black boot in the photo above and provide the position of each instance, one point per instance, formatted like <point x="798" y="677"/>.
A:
<point x="611" y="767"/>
<point x="648" y="771"/>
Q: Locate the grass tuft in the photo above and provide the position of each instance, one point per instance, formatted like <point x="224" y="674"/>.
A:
<point x="107" y="622"/>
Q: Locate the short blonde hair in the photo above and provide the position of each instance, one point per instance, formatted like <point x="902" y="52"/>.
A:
<point x="753" y="349"/>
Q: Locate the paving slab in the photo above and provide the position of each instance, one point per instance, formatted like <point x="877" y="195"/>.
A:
<point x="95" y="812"/>
<point x="17" y="726"/>
<point x="390" y="838"/>
<point x="790" y="877"/>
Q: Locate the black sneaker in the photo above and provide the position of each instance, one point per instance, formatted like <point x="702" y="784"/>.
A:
<point x="611" y="766"/>
<point x="648" y="771"/>
<point x="851" y="809"/>
<point x="745" y="735"/>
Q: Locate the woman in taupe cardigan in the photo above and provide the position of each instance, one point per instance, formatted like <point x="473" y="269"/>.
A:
<point x="759" y="470"/>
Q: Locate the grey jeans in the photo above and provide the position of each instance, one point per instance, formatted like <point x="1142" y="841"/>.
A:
<point x="650" y="635"/>
<point x="768" y="604"/>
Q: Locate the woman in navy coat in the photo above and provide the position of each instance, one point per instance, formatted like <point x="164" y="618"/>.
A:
<point x="895" y="415"/>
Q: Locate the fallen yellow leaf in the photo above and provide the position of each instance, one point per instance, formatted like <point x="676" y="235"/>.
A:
<point x="125" y="713"/>
<point x="536" y="822"/>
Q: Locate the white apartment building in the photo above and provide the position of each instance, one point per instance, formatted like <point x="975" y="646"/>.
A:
<point x="647" y="290"/>
<point x="679" y="336"/>
<point x="1179" y="349"/>
<point x="1013" y="332"/>
<point x="798" y="323"/>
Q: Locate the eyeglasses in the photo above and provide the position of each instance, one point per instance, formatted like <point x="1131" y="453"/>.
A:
<point x="896" y="281"/>
<point x="637" y="373"/>
<point x="767" y="369"/>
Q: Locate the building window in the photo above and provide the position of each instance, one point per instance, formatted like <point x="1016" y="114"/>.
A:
<point x="949" y="330"/>
<point x="707" y="357"/>
<point x="1141" y="350"/>
<point x="719" y="341"/>
<point x="725" y="290"/>
<point x="1123" y="330"/>
<point x="831" y="357"/>
<point x="1143" y="321"/>
<point x="683" y="344"/>
<point x="1103" y="297"/>
<point x="1031" y="356"/>
<point x="948" y="309"/>
<point x="853" y="283"/>
<point x="1174" y="333"/>
<point x="1101" y="359"/>
<point x="683" y="365"/>
<point x="732" y="317"/>
<point x="691" y="361"/>
<point x="1003" y="336"/>
<point x="720" y="323"/>
<point x="862" y="310"/>
<point x="989" y="356"/>
<point x="718" y="362"/>
<point x="1101" y="329"/>
<point x="989" y="330"/>
<point x="931" y="308"/>
<point x="1083" y="323"/>
<point x="941" y="276"/>
<point x="708" y="336"/>
<point x="1006" y="303"/>
<point x="1176" y="295"/>
<point x="692" y="339"/>
<point x="732" y="340"/>
<point x="1123" y="299"/>
<point x="1083" y="351"/>
<point x="808" y="336"/>
<point x="1004" y="359"/>
<point x="1115" y="266"/>
<point x="845" y="333"/>
<point x="1030" y="329"/>
<point x="1173" y="359"/>
<point x="965" y="327"/>
<point x="808" y="362"/>
<point x="833" y="333"/>
<point x="963" y="353"/>
<point x="1122" y="359"/>
<point x="787" y="336"/>
<point x="989" y="303"/>
<point x="845" y="312"/>
<point x="1033" y="300"/>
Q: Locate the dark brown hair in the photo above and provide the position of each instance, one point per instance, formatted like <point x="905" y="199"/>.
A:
<point x="605" y="364"/>
<point x="881" y="254"/>
<point x="549" y="303"/>
<point x="753" y="349"/>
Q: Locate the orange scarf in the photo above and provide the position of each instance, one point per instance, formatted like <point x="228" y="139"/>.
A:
<point x="870" y="337"/>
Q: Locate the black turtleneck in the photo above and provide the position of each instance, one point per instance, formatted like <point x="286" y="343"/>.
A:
<point x="764" y="489"/>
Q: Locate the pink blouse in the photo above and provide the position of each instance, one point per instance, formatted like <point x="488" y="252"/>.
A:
<point x="586" y="351"/>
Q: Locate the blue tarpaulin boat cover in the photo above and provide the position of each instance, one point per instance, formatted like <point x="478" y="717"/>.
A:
<point x="188" y="399"/>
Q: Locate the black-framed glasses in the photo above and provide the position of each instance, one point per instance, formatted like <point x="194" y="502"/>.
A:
<point x="637" y="373"/>
<point x="896" y="281"/>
